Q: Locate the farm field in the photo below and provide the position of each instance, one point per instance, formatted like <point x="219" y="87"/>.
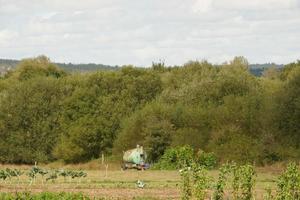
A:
<point x="117" y="184"/>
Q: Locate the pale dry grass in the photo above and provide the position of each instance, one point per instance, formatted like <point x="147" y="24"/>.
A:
<point x="116" y="183"/>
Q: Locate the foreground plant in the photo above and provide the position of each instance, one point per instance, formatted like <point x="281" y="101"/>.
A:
<point x="243" y="182"/>
<point x="46" y="196"/>
<point x="288" y="183"/>
<point x="201" y="182"/>
<point x="268" y="195"/>
<point x="195" y="182"/>
<point x="186" y="188"/>
<point x="221" y="182"/>
<point x="247" y="181"/>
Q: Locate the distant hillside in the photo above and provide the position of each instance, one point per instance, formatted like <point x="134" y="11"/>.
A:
<point x="257" y="69"/>
<point x="7" y="63"/>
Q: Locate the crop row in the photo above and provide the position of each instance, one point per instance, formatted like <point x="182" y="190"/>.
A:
<point x="35" y="172"/>
<point x="237" y="183"/>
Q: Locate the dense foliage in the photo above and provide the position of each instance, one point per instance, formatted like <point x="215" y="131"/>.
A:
<point x="48" y="114"/>
<point x="239" y="181"/>
<point x="46" y="195"/>
<point x="179" y="157"/>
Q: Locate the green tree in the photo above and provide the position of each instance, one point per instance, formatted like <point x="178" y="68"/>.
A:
<point x="94" y="110"/>
<point x="29" y="120"/>
<point x="289" y="109"/>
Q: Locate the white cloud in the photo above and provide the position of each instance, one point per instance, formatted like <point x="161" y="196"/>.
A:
<point x="48" y="16"/>
<point x="78" y="12"/>
<point x="6" y="36"/>
<point x="202" y="6"/>
<point x="255" y="4"/>
<point x="8" y="8"/>
<point x="141" y="31"/>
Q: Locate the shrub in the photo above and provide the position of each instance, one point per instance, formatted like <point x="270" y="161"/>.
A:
<point x="179" y="157"/>
<point x="176" y="158"/>
<point x="207" y="160"/>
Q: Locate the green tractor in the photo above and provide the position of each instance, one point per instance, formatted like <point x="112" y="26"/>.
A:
<point x="135" y="159"/>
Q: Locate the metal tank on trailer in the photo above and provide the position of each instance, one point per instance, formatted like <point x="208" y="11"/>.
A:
<point x="135" y="159"/>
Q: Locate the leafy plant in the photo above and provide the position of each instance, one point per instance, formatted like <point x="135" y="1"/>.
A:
<point x="268" y="195"/>
<point x="54" y="174"/>
<point x="247" y="181"/>
<point x="34" y="171"/>
<point x="243" y="182"/>
<point x="4" y="175"/>
<point x="208" y="160"/>
<point x="176" y="158"/>
<point x="186" y="188"/>
<point x="289" y="183"/>
<point x="221" y="182"/>
<point x="46" y="196"/>
<point x="201" y="182"/>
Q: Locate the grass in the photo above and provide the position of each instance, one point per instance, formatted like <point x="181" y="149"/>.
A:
<point x="117" y="184"/>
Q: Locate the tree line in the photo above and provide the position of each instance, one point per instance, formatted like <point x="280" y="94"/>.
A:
<point x="69" y="67"/>
<point x="48" y="114"/>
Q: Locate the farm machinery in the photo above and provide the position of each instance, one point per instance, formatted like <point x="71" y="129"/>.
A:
<point x="135" y="159"/>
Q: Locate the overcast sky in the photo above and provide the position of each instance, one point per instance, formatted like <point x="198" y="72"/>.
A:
<point x="118" y="32"/>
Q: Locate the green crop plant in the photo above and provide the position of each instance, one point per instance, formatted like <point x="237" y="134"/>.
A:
<point x="221" y="182"/>
<point x="288" y="183"/>
<point x="32" y="174"/>
<point x="42" y="172"/>
<point x="243" y="182"/>
<point x="268" y="195"/>
<point x="201" y="182"/>
<point x="64" y="173"/>
<point x="70" y="174"/>
<point x="4" y="175"/>
<point x="11" y="173"/>
<point x="52" y="176"/>
<point x="247" y="181"/>
<point x="36" y="171"/>
<point x="186" y="188"/>
<point x="235" y="181"/>
<point x="46" y="196"/>
<point x="79" y="175"/>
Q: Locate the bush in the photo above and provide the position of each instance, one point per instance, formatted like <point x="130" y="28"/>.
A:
<point x="179" y="157"/>
<point x="207" y="160"/>
<point x="176" y="158"/>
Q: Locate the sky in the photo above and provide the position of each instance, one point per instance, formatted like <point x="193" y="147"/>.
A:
<point x="139" y="32"/>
